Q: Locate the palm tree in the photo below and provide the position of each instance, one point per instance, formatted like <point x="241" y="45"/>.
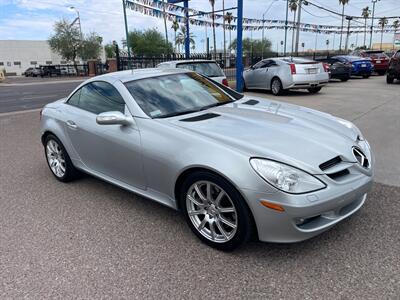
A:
<point x="365" y="14"/>
<point x="175" y="27"/>
<point x="212" y="2"/>
<point x="382" y="22"/>
<point x="293" y="8"/>
<point x="180" y="38"/>
<point x="228" y="17"/>
<point x="342" y="2"/>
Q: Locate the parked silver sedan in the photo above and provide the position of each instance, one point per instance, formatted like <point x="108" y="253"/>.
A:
<point x="286" y="73"/>
<point x="236" y="167"/>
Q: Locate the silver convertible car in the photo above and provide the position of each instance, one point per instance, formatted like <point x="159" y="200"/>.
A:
<point x="236" y="167"/>
<point x="286" y="73"/>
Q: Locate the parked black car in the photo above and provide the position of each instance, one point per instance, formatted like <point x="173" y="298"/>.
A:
<point x="394" y="68"/>
<point x="337" y="69"/>
<point x="49" y="71"/>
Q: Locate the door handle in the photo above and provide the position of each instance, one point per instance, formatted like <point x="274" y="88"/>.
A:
<point x="71" y="124"/>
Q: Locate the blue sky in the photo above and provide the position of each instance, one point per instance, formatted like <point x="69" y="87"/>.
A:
<point x="33" y="19"/>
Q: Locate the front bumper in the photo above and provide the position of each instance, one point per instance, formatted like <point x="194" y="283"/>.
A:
<point x="306" y="215"/>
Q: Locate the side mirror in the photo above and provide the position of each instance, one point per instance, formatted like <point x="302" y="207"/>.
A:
<point x="112" y="118"/>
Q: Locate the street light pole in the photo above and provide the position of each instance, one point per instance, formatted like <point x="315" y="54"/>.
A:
<point x="296" y="49"/>
<point x="126" y="33"/>
<point x="79" y="20"/>
<point x="348" y="18"/>
<point x="372" y="23"/>
<point x="263" y="29"/>
<point x="286" y="25"/>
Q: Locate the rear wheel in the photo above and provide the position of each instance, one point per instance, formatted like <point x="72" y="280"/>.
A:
<point x="215" y="211"/>
<point x="344" y="79"/>
<point x="314" y="90"/>
<point x="276" y="87"/>
<point x="389" y="79"/>
<point x="58" y="159"/>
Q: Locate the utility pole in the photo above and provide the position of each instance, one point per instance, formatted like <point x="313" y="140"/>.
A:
<point x="298" y="28"/>
<point x="348" y="18"/>
<point x="126" y="33"/>
<point x="372" y="24"/>
<point x="263" y="29"/>
<point x="223" y="9"/>
<point x="286" y="26"/>
<point x="187" y="38"/>
<point x="239" y="47"/>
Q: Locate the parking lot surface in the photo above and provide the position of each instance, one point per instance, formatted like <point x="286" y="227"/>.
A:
<point x="89" y="239"/>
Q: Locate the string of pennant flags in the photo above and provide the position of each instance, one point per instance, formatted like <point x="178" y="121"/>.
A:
<point x="155" y="8"/>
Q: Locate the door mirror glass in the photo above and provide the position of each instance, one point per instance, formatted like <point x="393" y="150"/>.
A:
<point x="112" y="118"/>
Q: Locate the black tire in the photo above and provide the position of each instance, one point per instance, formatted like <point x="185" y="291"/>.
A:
<point x="245" y="89"/>
<point x="71" y="172"/>
<point x="344" y="79"/>
<point x="389" y="79"/>
<point x="279" y="90"/>
<point x="314" y="90"/>
<point x="381" y="73"/>
<point x="366" y="76"/>
<point x="245" y="223"/>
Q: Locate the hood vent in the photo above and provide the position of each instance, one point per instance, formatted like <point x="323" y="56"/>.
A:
<point x="251" y="102"/>
<point x="330" y="163"/>
<point x="201" y="117"/>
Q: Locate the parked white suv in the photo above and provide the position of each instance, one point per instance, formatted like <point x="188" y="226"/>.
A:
<point x="207" y="68"/>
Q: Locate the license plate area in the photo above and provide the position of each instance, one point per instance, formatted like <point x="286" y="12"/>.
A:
<point x="363" y="65"/>
<point x="312" y="71"/>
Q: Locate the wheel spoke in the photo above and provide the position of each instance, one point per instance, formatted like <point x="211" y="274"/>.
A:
<point x="212" y="229"/>
<point x="219" y="197"/>
<point x="224" y="233"/>
<point x="208" y="188"/>
<point x="202" y="224"/>
<point x="224" y="210"/>
<point x="199" y="193"/>
<point x="195" y="201"/>
<point x="196" y="212"/>
<point x="226" y="222"/>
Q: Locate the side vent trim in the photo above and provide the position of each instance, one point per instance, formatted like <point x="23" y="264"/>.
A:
<point x="251" y="102"/>
<point x="200" y="117"/>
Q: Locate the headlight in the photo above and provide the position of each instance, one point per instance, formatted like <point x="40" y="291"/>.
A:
<point x="286" y="178"/>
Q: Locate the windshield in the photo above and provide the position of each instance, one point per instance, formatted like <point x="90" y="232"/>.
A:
<point x="209" y="69"/>
<point x="177" y="94"/>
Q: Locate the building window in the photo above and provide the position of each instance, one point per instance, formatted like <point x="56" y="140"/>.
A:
<point x="1" y="63"/>
<point x="63" y="62"/>
<point x="48" y="62"/>
<point x="17" y="63"/>
<point x="9" y="64"/>
<point x="34" y="63"/>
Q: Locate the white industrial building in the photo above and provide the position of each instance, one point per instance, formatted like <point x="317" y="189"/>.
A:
<point x="18" y="55"/>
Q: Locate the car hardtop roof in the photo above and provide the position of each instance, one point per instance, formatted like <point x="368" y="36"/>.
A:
<point x="293" y="59"/>
<point x="188" y="61"/>
<point x="130" y="75"/>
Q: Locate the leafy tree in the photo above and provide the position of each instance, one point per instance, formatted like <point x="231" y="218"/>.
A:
<point x="365" y="14"/>
<point x="256" y="45"/>
<point x="109" y="49"/>
<point x="66" y="40"/>
<point x="181" y="37"/>
<point x="91" y="47"/>
<point x="148" y="43"/>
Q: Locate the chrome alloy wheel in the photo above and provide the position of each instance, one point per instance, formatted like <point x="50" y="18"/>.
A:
<point x="55" y="158"/>
<point x="211" y="211"/>
<point x="276" y="86"/>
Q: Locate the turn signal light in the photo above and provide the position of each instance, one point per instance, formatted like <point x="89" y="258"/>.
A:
<point x="272" y="206"/>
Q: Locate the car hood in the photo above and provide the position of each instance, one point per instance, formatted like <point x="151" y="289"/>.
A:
<point x="288" y="133"/>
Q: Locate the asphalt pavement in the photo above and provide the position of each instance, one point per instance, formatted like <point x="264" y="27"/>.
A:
<point x="89" y="239"/>
<point x="18" y="94"/>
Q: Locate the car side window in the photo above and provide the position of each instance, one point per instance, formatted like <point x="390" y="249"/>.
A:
<point x="74" y="99"/>
<point x="398" y="54"/>
<point x="98" y="97"/>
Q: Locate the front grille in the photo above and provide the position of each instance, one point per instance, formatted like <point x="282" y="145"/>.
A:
<point x="338" y="175"/>
<point x="330" y="163"/>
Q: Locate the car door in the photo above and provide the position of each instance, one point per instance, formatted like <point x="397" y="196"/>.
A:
<point x="271" y="70"/>
<point x="260" y="75"/>
<point x="112" y="150"/>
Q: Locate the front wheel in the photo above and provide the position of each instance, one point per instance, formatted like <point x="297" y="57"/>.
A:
<point x="389" y="79"/>
<point x="215" y="211"/>
<point x="58" y="159"/>
<point x="314" y="90"/>
<point x="276" y="87"/>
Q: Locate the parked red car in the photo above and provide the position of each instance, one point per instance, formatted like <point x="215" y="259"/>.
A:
<point x="379" y="59"/>
<point x="394" y="68"/>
